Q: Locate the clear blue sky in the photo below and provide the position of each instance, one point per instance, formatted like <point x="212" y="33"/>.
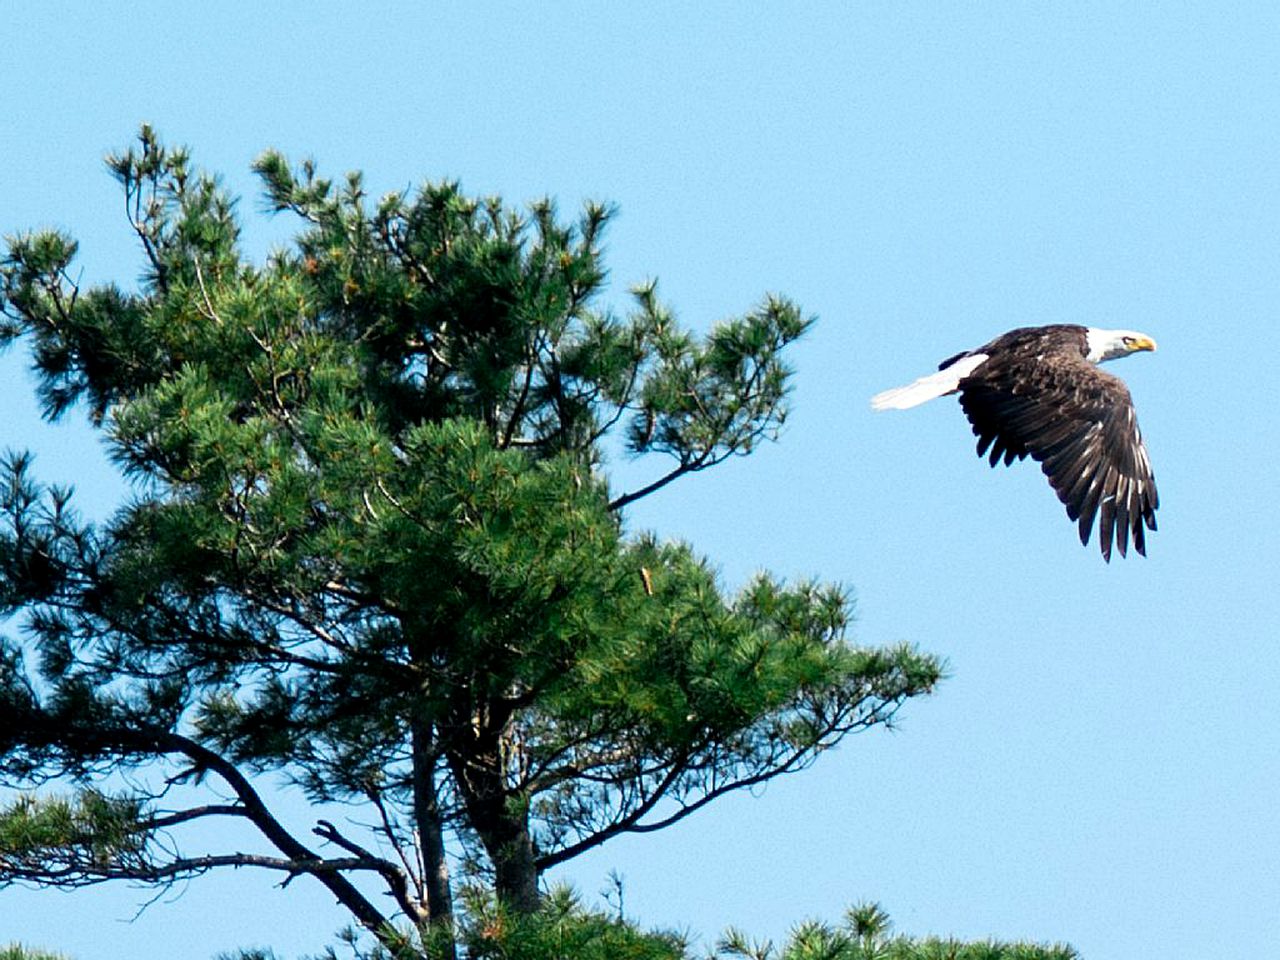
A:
<point x="1102" y="767"/>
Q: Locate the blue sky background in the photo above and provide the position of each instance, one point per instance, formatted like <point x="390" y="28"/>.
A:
<point x="1102" y="767"/>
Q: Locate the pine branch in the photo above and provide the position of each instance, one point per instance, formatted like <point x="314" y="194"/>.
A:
<point x="619" y="502"/>
<point x="194" y="813"/>
<point x="397" y="880"/>
<point x="298" y="858"/>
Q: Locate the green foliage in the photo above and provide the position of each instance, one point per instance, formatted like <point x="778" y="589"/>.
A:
<point x="865" y="935"/>
<point x="16" y="951"/>
<point x="560" y="930"/>
<point x="563" y="929"/>
<point x="87" y="828"/>
<point x="374" y="550"/>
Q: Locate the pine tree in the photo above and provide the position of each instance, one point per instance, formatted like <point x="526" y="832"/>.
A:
<point x="373" y="553"/>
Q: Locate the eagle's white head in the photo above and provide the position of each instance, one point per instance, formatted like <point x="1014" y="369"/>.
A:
<point x="1109" y="344"/>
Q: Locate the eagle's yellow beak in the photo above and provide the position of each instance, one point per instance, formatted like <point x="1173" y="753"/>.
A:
<point x="1143" y="343"/>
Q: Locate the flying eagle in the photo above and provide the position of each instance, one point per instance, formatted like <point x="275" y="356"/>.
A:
<point x="1038" y="391"/>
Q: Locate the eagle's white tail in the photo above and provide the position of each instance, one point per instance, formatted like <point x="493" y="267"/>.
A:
<point x="927" y="388"/>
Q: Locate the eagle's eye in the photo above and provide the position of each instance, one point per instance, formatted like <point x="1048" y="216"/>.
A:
<point x="1127" y="341"/>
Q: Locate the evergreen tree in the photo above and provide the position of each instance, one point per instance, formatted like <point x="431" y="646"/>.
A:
<point x="373" y="553"/>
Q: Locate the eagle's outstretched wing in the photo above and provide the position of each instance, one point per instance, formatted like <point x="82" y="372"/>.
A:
<point x="1078" y="422"/>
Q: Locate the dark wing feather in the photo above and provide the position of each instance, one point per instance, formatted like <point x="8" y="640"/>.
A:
<point x="1078" y="422"/>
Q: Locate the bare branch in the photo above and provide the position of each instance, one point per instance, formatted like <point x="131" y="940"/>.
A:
<point x="195" y="813"/>
<point x="619" y="502"/>
<point x="298" y="856"/>
<point x="396" y="879"/>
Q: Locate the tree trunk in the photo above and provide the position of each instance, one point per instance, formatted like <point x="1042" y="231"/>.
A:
<point x="515" y="870"/>
<point x="500" y="819"/>
<point x="435" y="868"/>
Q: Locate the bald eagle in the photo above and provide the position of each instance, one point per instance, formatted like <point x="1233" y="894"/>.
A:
<point x="1038" y="391"/>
